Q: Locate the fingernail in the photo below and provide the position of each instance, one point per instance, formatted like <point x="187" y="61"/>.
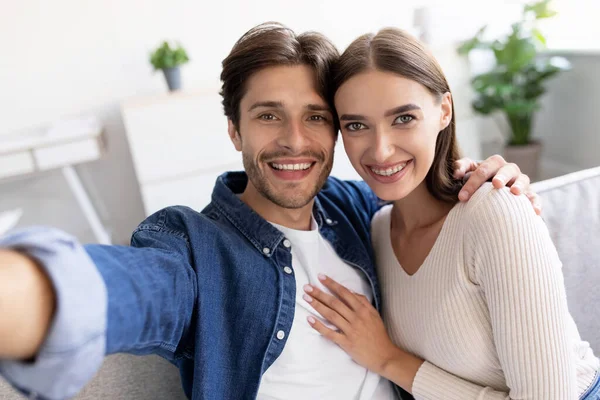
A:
<point x="501" y="178"/>
<point x="463" y="195"/>
<point x="308" y="288"/>
<point x="517" y="187"/>
<point x="311" y="320"/>
<point x="307" y="298"/>
<point x="322" y="277"/>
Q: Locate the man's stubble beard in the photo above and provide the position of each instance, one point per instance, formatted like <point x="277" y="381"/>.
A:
<point x="299" y="200"/>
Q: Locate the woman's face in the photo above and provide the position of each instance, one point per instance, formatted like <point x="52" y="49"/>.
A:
<point x="389" y="126"/>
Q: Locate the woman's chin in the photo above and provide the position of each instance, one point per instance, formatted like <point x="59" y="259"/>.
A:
<point x="390" y="194"/>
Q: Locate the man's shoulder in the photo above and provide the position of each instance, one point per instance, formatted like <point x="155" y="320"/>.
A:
<point x="177" y="220"/>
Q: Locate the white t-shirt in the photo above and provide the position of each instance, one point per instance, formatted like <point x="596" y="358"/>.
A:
<point x="310" y="366"/>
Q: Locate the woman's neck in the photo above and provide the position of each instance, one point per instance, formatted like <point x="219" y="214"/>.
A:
<point x="418" y="210"/>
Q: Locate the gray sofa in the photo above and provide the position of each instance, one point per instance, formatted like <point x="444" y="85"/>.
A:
<point x="572" y="213"/>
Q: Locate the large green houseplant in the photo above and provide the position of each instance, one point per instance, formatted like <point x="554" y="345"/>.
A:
<point x="168" y="59"/>
<point x="515" y="83"/>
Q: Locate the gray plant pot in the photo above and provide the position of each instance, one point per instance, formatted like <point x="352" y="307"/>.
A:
<point x="527" y="157"/>
<point x="173" y="77"/>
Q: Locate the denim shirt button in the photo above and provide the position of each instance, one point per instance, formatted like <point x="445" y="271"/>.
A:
<point x="287" y="243"/>
<point x="266" y="250"/>
<point x="280" y="335"/>
<point x="287" y="270"/>
<point x="328" y="221"/>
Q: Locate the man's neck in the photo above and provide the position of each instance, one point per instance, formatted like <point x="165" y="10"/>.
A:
<point x="294" y="218"/>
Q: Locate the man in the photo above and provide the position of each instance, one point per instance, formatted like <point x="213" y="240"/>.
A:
<point x="216" y="293"/>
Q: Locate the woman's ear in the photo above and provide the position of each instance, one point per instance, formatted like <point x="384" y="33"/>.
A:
<point x="446" y="115"/>
<point x="234" y="135"/>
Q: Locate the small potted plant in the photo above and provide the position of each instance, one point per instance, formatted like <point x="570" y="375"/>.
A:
<point x="168" y="59"/>
<point x="515" y="83"/>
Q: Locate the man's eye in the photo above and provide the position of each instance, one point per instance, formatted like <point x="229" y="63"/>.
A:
<point x="404" y="119"/>
<point x="317" y="118"/>
<point x="267" y="117"/>
<point x="355" y="126"/>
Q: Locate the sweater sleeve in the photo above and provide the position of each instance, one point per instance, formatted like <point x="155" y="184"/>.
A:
<point x="516" y="265"/>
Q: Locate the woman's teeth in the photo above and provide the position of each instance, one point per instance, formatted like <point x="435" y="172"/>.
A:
<point x="291" y="167"/>
<point x="389" y="171"/>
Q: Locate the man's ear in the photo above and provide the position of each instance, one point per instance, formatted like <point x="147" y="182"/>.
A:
<point x="446" y="115"/>
<point x="234" y="135"/>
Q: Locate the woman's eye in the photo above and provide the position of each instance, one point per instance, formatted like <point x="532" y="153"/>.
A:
<point x="404" y="119"/>
<point x="355" y="126"/>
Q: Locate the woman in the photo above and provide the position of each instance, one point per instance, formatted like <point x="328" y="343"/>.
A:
<point x="473" y="294"/>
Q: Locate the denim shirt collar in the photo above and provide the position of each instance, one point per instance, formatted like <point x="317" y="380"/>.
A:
<point x="264" y="236"/>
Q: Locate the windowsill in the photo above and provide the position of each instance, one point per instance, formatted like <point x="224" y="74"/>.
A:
<point x="573" y="52"/>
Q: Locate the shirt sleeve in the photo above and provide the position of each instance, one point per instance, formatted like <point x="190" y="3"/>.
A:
<point x="136" y="299"/>
<point x="75" y="345"/>
<point x="517" y="267"/>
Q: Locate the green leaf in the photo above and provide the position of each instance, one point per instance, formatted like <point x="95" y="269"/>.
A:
<point x="165" y="56"/>
<point x="515" y="53"/>
<point x="541" y="9"/>
<point x="536" y="33"/>
<point x="473" y="43"/>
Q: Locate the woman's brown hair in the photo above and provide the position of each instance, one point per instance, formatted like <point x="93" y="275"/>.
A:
<point x="393" y="50"/>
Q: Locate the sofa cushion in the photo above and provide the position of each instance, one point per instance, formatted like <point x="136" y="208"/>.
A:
<point x="124" y="376"/>
<point x="571" y="209"/>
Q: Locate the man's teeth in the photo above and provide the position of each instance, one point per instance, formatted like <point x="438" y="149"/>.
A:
<point x="389" y="171"/>
<point x="292" y="167"/>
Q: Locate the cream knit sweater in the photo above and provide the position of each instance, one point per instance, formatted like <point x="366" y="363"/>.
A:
<point x="487" y="310"/>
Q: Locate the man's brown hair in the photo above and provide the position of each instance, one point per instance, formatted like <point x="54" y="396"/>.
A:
<point x="273" y="44"/>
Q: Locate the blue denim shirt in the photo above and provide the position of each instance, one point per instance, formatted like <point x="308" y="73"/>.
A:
<point x="207" y="291"/>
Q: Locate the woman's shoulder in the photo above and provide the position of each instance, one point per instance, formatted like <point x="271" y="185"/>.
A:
<point x="497" y="206"/>
<point x="501" y="227"/>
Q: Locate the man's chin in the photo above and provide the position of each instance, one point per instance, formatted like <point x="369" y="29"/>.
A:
<point x="292" y="198"/>
<point x="290" y="194"/>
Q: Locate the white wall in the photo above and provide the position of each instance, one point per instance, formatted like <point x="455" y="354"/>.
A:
<point x="569" y="122"/>
<point x="67" y="57"/>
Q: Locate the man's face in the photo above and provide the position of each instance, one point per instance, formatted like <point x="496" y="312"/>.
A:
<point x="286" y="135"/>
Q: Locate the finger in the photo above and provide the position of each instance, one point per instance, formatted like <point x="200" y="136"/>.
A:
<point x="506" y="175"/>
<point x="482" y="174"/>
<point x="332" y="302"/>
<point x="521" y="184"/>
<point x="364" y="300"/>
<point x="330" y="315"/>
<point x="342" y="292"/>
<point x="329" y="333"/>
<point x="536" y="201"/>
<point x="463" y="166"/>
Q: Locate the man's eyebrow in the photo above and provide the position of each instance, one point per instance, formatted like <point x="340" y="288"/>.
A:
<point x="270" y="104"/>
<point x="318" y="107"/>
